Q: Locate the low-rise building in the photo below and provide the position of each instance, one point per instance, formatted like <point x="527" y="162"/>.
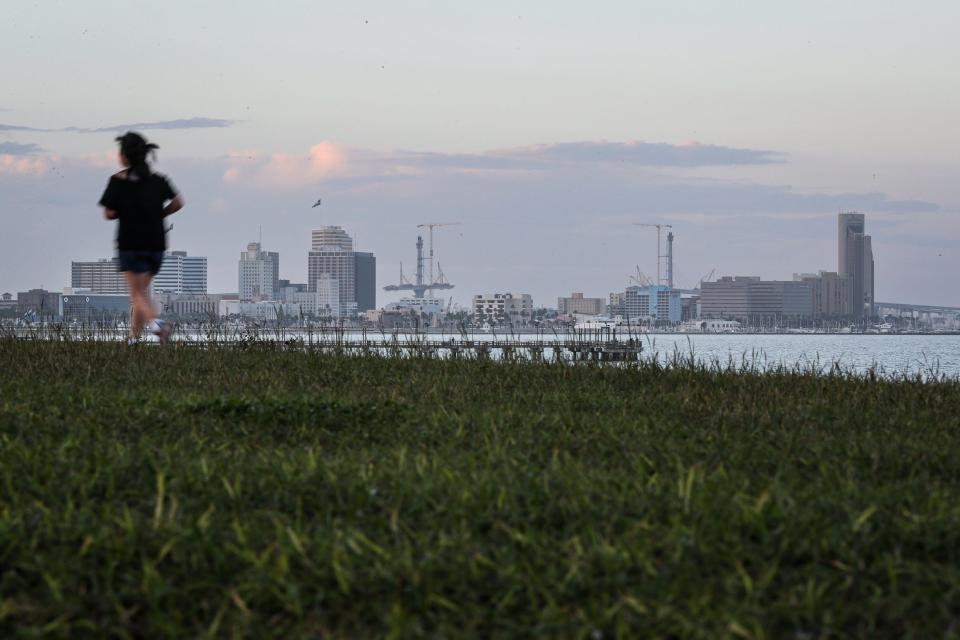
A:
<point x="427" y="306"/>
<point x="8" y="302"/>
<point x="752" y="300"/>
<point x="287" y="289"/>
<point x="195" y="308"/>
<point x="577" y="304"/>
<point x="616" y="307"/>
<point x="502" y="308"/>
<point x="260" y="311"/>
<point x="322" y="302"/>
<point x="87" y="307"/>
<point x="40" y="304"/>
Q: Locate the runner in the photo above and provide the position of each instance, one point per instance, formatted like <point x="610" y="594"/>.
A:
<point x="140" y="200"/>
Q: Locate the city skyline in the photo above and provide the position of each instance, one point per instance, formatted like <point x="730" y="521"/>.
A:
<point x="546" y="129"/>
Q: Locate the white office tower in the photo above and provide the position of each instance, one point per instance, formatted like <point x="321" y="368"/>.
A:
<point x="182" y="274"/>
<point x="259" y="274"/>
<point x="331" y="257"/>
<point x="330" y="239"/>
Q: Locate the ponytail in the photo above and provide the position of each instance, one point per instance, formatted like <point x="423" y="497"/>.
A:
<point x="135" y="149"/>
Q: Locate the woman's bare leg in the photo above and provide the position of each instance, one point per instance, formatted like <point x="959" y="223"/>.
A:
<point x="148" y="312"/>
<point x="141" y="311"/>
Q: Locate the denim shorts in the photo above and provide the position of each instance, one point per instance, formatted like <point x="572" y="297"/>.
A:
<point x="140" y="261"/>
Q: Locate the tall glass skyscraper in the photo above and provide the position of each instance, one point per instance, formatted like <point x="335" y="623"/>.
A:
<point x="855" y="261"/>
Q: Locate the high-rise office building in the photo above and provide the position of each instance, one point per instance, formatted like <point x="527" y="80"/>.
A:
<point x="331" y="237"/>
<point x="259" y="274"/>
<point x="332" y="256"/>
<point x="181" y="273"/>
<point x="855" y="259"/>
<point x="868" y="299"/>
<point x="99" y="276"/>
<point x="365" y="268"/>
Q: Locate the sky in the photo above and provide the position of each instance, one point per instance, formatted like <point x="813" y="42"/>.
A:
<point x="546" y="129"/>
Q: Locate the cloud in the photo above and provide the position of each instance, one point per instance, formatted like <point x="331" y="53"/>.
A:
<point x="19" y="149"/>
<point x="283" y="170"/>
<point x="639" y="153"/>
<point x="327" y="159"/>
<point x="21" y="166"/>
<point x="182" y="123"/>
<point x="599" y="178"/>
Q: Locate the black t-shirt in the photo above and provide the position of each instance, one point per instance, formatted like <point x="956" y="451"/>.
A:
<point x="139" y="204"/>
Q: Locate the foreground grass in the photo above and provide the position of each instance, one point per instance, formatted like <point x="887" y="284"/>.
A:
<point x="258" y="493"/>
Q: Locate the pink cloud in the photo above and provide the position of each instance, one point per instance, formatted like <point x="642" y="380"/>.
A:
<point x="107" y="159"/>
<point x="21" y="166"/>
<point x="283" y="170"/>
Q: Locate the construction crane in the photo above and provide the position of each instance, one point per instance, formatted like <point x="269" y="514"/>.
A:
<point x="431" y="225"/>
<point x="660" y="256"/>
<point x="641" y="278"/>
<point x="419" y="287"/>
<point x="706" y="278"/>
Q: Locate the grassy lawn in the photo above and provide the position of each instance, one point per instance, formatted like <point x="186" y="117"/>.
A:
<point x="263" y="493"/>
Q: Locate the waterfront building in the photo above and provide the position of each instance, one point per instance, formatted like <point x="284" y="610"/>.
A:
<point x="258" y="274"/>
<point x="365" y="270"/>
<point x="426" y="306"/>
<point x="288" y="289"/>
<point x="689" y="307"/>
<point x="86" y="306"/>
<point x="658" y="303"/>
<point x="99" y="276"/>
<point x="332" y="255"/>
<point x="616" y="306"/>
<point x="181" y="274"/>
<point x="855" y="260"/>
<point x="323" y="301"/>
<point x="830" y="292"/>
<point x="8" y="302"/>
<point x="750" y="299"/>
<point x="40" y="304"/>
<point x="868" y="281"/>
<point x="190" y="307"/>
<point x="266" y="310"/>
<point x="498" y="308"/>
<point x="576" y="303"/>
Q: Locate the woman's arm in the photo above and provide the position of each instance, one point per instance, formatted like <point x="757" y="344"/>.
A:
<point x="174" y="205"/>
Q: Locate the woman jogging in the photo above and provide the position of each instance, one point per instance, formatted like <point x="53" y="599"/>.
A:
<point x="139" y="200"/>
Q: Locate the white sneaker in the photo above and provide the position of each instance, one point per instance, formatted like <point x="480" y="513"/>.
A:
<point x="162" y="330"/>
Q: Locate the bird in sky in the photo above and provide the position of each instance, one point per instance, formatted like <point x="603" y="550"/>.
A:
<point x="317" y="203"/>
